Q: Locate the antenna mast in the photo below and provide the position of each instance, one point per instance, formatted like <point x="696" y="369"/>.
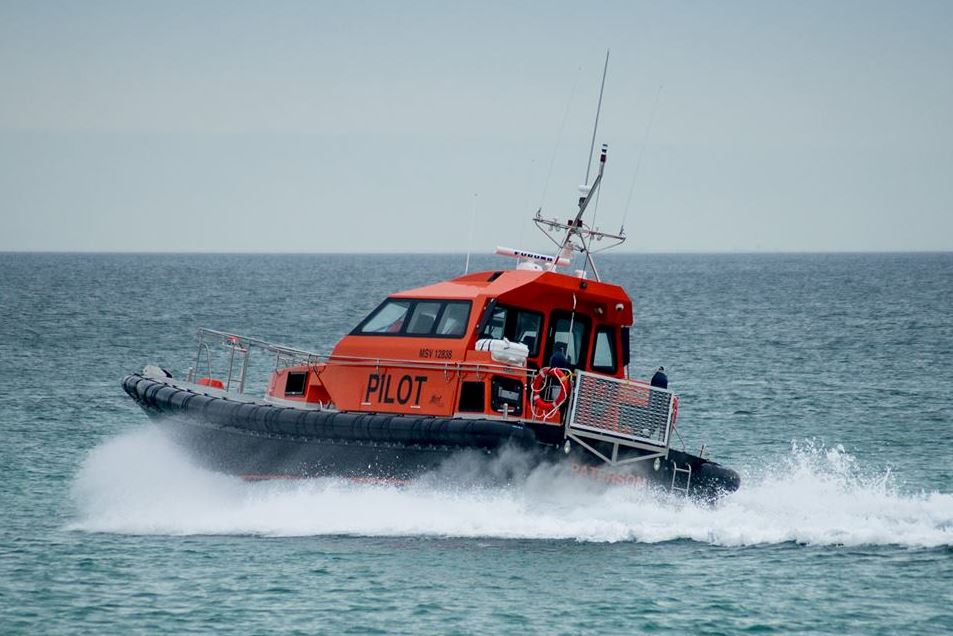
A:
<point x="578" y="236"/>
<point x="575" y="228"/>
<point x="466" y="269"/>
<point x="595" y="126"/>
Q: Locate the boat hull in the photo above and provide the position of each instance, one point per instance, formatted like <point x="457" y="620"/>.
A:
<point x="261" y="440"/>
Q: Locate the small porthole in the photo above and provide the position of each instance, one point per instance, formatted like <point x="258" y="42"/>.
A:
<point x="296" y="382"/>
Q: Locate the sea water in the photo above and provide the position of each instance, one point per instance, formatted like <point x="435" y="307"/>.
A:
<point x="825" y="380"/>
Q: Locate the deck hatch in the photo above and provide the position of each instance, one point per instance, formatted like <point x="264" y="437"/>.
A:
<point x="471" y="397"/>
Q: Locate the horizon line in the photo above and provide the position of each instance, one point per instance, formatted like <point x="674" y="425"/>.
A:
<point x="463" y="253"/>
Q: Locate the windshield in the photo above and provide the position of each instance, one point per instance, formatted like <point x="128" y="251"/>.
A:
<point x="406" y="317"/>
<point x="388" y="318"/>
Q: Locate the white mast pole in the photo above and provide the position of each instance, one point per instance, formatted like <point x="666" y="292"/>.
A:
<point x="466" y="270"/>
<point x="589" y="191"/>
<point x="595" y="126"/>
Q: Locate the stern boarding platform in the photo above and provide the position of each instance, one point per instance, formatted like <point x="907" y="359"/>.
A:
<point x="623" y="421"/>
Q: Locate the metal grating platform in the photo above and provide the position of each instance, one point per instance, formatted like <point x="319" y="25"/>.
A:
<point x="622" y="410"/>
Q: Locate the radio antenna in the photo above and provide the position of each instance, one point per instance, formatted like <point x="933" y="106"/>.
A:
<point x="466" y="269"/>
<point x="638" y="163"/>
<point x="595" y="126"/>
<point x="578" y="236"/>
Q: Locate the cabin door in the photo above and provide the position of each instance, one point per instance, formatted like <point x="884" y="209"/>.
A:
<point x="570" y="334"/>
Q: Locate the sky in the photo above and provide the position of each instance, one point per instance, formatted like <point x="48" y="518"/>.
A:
<point x="732" y="126"/>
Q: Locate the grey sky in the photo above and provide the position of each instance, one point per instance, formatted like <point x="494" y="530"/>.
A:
<point x="336" y="126"/>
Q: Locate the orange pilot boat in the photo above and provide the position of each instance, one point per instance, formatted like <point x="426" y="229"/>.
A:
<point x="531" y="358"/>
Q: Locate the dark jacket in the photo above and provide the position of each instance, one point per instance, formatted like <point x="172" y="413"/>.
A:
<point x="660" y="380"/>
<point x="559" y="360"/>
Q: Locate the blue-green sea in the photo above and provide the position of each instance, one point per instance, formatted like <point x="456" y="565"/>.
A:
<point x="825" y="380"/>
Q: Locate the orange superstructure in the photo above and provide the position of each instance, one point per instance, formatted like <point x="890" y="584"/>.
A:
<point x="418" y="351"/>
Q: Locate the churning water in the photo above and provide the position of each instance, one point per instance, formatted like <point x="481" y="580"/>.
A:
<point x="825" y="380"/>
<point x="140" y="483"/>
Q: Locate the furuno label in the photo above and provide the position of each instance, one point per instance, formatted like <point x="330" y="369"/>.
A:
<point x="386" y="388"/>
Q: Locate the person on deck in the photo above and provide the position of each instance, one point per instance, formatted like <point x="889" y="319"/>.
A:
<point x="559" y="360"/>
<point x="660" y="380"/>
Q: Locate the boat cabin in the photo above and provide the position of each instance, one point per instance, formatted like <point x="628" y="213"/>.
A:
<point x="469" y="346"/>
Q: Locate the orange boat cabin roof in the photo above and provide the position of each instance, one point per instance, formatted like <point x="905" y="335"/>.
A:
<point x="535" y="308"/>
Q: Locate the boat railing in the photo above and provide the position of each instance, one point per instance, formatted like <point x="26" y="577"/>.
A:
<point x="232" y="357"/>
<point x="229" y="354"/>
<point x="625" y="413"/>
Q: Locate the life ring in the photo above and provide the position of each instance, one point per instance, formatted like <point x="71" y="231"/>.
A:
<point x="544" y="409"/>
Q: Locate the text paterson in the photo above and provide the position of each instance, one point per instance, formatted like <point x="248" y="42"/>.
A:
<point x="387" y="391"/>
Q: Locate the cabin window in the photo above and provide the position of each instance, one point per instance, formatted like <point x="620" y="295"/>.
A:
<point x="388" y="318"/>
<point x="568" y="334"/>
<point x="295" y="382"/>
<point x="423" y="318"/>
<point x="603" y="351"/>
<point x="516" y="325"/>
<point x="528" y="325"/>
<point x="454" y="320"/>
<point x="407" y="317"/>
<point x="496" y="325"/>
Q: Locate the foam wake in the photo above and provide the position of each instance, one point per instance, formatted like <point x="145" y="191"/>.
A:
<point x="140" y="483"/>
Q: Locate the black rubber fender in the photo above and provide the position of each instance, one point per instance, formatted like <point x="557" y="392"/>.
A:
<point x="280" y="421"/>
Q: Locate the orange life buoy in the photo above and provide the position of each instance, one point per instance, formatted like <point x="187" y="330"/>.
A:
<point x="544" y="409"/>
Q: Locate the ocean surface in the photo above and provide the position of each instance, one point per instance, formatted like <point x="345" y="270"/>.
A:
<point x="825" y="380"/>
